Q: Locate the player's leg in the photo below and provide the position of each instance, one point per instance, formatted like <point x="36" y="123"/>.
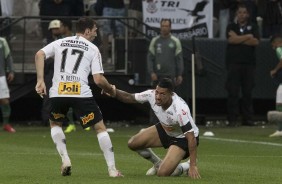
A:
<point x="59" y="139"/>
<point x="178" y="145"/>
<point x="57" y="117"/>
<point x="90" y="115"/>
<point x="144" y="140"/>
<point x="107" y="148"/>
<point x="5" y="104"/>
<point x="276" y="116"/>
<point x="6" y="113"/>
<point x="170" y="164"/>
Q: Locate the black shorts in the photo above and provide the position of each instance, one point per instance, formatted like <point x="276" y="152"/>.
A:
<point x="167" y="140"/>
<point x="85" y="109"/>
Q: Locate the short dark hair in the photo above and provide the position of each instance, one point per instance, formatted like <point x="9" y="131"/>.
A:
<point x="84" y="23"/>
<point x="166" y="83"/>
<point x="243" y="5"/>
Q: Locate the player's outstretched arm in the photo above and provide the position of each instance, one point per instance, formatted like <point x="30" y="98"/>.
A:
<point x="125" y="97"/>
<point x="103" y="83"/>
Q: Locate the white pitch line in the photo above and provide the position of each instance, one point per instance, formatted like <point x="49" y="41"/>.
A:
<point x="243" y="141"/>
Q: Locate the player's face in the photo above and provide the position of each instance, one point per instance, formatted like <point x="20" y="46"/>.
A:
<point x="165" y="28"/>
<point x="56" y="31"/>
<point x="163" y="97"/>
<point x="93" y="33"/>
<point x="242" y="15"/>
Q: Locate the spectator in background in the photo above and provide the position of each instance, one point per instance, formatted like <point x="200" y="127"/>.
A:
<point x="165" y="59"/>
<point x="110" y="8"/>
<point x="227" y="13"/>
<point x="135" y="11"/>
<point x="28" y="8"/>
<point x="271" y="13"/>
<point x="223" y="16"/>
<point x="242" y="37"/>
<point x="6" y="62"/>
<point x="58" y="8"/>
<point x="7" y="7"/>
<point x="55" y="29"/>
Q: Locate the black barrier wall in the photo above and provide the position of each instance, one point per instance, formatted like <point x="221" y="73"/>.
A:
<point x="210" y="81"/>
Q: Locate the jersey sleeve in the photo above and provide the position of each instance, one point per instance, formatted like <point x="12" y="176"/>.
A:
<point x="96" y="64"/>
<point x="49" y="50"/>
<point x="185" y="120"/>
<point x="7" y="50"/>
<point x="144" y="96"/>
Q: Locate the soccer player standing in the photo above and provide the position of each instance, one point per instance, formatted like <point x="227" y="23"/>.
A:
<point x="6" y="61"/>
<point x="75" y="57"/>
<point x="276" y="116"/>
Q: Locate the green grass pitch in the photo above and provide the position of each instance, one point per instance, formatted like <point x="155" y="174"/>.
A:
<point x="233" y="155"/>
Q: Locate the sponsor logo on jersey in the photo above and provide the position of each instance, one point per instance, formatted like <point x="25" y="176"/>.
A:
<point x="58" y="115"/>
<point x="86" y="119"/>
<point x="69" y="88"/>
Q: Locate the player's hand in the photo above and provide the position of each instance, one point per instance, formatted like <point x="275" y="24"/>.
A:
<point x="154" y="77"/>
<point x="10" y="77"/>
<point x="178" y="80"/>
<point x="40" y="88"/>
<point x="232" y="34"/>
<point x="193" y="172"/>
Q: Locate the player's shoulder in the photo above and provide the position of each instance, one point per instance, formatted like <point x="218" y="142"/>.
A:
<point x="147" y="94"/>
<point x="179" y="102"/>
<point x="2" y="39"/>
<point x="174" y="38"/>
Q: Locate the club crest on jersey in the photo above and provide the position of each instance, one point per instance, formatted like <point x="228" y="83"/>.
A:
<point x="86" y="119"/>
<point x="183" y="112"/>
